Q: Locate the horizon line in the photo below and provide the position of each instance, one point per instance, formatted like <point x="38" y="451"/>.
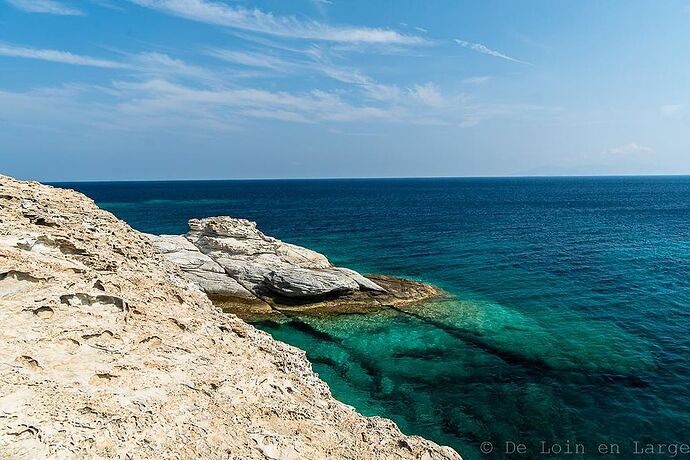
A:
<point x="258" y="179"/>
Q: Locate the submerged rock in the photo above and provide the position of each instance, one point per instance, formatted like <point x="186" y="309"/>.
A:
<point x="108" y="351"/>
<point x="231" y="259"/>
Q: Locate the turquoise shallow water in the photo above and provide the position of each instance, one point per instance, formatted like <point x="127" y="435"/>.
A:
<point x="569" y="310"/>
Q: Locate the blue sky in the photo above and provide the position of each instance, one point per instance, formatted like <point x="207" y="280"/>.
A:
<point x="175" y="89"/>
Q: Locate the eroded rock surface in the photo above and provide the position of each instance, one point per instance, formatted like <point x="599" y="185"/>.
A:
<point x="200" y="268"/>
<point x="230" y="259"/>
<point x="109" y="352"/>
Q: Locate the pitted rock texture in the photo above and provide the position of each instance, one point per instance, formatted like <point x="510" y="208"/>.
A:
<point x="109" y="352"/>
<point x="231" y="260"/>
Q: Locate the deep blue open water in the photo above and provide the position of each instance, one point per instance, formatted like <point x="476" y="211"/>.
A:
<point x="569" y="316"/>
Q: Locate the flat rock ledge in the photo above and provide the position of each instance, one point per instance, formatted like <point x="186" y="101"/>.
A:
<point x="108" y="351"/>
<point x="247" y="272"/>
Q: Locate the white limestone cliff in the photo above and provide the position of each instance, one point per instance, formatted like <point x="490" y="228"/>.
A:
<point x="108" y="351"/>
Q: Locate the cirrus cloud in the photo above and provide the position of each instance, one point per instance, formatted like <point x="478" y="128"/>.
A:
<point x="255" y="20"/>
<point x="628" y="149"/>
<point x="483" y="49"/>
<point x="671" y="110"/>
<point x="63" y="57"/>
<point x="46" y="7"/>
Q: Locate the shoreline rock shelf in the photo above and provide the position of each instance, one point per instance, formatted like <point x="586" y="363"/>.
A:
<point x="108" y="351"/>
<point x="246" y="272"/>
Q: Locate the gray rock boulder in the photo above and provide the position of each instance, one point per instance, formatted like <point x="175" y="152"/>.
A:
<point x="302" y="282"/>
<point x="231" y="257"/>
<point x="239" y="239"/>
<point x="364" y="283"/>
<point x="199" y="268"/>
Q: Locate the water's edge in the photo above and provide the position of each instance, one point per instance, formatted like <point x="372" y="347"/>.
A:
<point x="567" y="314"/>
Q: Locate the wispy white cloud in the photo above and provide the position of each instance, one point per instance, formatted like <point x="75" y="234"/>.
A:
<point x="63" y="57"/>
<point x="343" y="75"/>
<point x="255" y="20"/>
<point x="479" y="80"/>
<point x="160" y="104"/>
<point x="478" y="47"/>
<point x="321" y="5"/>
<point x="382" y="92"/>
<point x="72" y="110"/>
<point x="372" y="88"/>
<point x="671" y="110"/>
<point x="251" y="59"/>
<point x="163" y="106"/>
<point x="161" y="91"/>
<point x="143" y="65"/>
<point x="628" y="149"/>
<point x="311" y="61"/>
<point x="110" y="4"/>
<point x="428" y="94"/>
<point x="46" y="7"/>
<point x="160" y="65"/>
<point x="475" y="112"/>
<point x="160" y="97"/>
<point x="417" y="28"/>
<point x="419" y="105"/>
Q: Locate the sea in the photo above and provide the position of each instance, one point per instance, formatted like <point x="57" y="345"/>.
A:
<point x="566" y="330"/>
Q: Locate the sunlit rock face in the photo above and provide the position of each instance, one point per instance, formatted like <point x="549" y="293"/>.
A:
<point x="109" y="351"/>
<point x="231" y="260"/>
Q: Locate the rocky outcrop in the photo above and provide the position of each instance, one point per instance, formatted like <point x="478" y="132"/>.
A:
<point x="237" y="265"/>
<point x="108" y="351"/>
<point x="200" y="268"/>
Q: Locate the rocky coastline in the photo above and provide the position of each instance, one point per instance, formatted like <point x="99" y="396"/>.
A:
<point x="248" y="273"/>
<point x="112" y="350"/>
